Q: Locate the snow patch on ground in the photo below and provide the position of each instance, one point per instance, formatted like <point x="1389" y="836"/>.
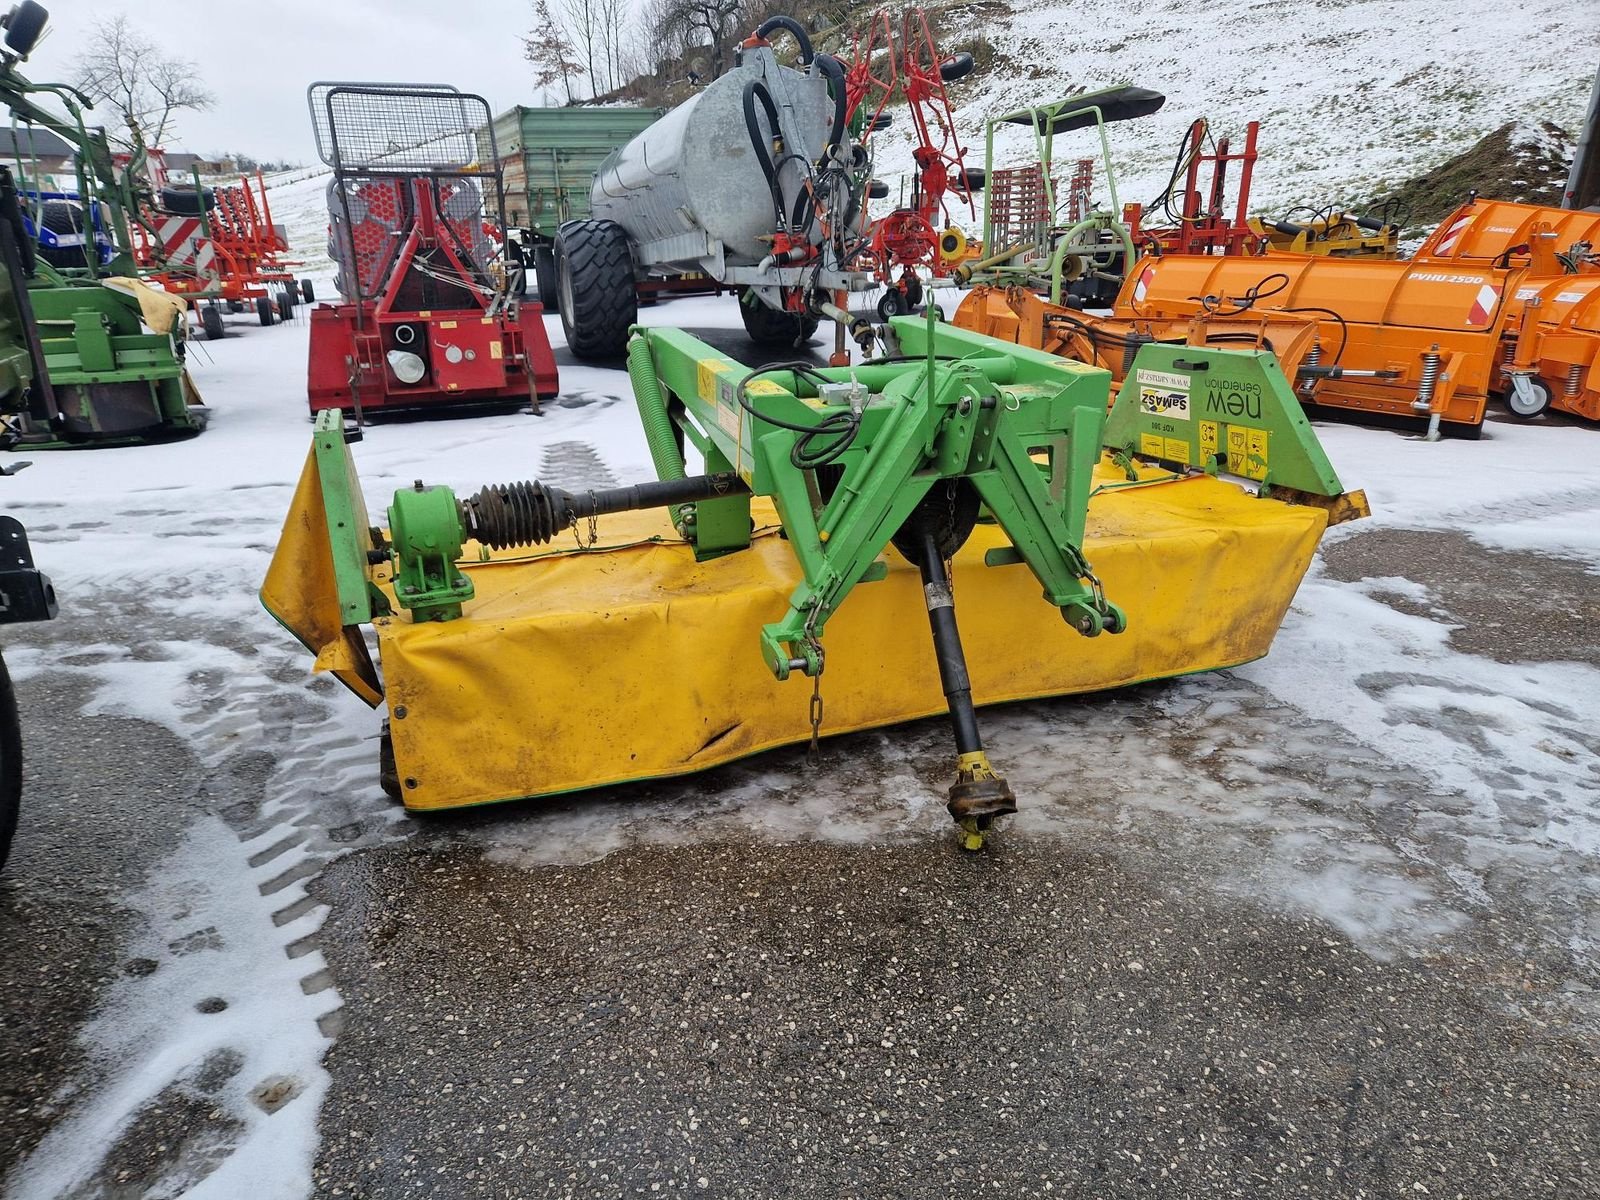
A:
<point x="211" y="930"/>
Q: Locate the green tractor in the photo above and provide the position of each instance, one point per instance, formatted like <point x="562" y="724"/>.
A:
<point x="107" y="352"/>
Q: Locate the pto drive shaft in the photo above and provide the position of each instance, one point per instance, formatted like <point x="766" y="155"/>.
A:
<point x="528" y="514"/>
<point x="979" y="794"/>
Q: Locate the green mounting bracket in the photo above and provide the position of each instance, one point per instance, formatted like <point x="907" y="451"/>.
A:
<point x="1230" y="411"/>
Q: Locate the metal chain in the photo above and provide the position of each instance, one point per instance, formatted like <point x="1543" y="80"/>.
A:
<point x="594" y="527"/>
<point x="814" y="752"/>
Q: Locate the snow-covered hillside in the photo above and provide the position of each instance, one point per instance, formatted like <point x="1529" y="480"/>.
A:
<point x="1354" y="96"/>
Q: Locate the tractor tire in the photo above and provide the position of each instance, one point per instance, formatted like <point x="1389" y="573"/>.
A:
<point x="544" y="275"/>
<point x="10" y="763"/>
<point x="307" y="292"/>
<point x="24" y="24"/>
<point x="264" y="309"/>
<point x="1521" y="408"/>
<point x="595" y="288"/>
<point x="211" y="322"/>
<point x="774" y="330"/>
<point x="285" y="307"/>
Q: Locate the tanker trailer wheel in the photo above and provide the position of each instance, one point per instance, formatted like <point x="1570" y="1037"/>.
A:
<point x="544" y="275"/>
<point x="1536" y="404"/>
<point x="10" y="763"/>
<point x="774" y="330"/>
<point x="594" y="282"/>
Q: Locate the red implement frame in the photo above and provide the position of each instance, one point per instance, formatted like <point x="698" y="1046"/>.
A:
<point x="907" y="237"/>
<point x="1203" y="225"/>
<point x="230" y="250"/>
<point x="424" y="321"/>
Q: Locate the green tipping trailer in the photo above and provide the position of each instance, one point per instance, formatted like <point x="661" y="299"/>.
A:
<point x="549" y="157"/>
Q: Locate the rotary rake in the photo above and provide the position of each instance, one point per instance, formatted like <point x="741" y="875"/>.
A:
<point x="915" y="236"/>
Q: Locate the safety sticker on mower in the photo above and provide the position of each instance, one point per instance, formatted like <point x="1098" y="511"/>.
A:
<point x="1163" y="394"/>
<point x="1247" y="452"/>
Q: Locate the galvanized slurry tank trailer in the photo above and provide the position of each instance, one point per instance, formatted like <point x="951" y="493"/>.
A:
<point x="755" y="181"/>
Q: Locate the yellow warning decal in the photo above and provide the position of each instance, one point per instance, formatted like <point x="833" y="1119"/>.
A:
<point x="448" y="324"/>
<point x="1256" y="454"/>
<point x="1208" y="440"/>
<point x="1177" y="451"/>
<point x="1152" y="445"/>
<point x="705" y="378"/>
<point x="1247" y="451"/>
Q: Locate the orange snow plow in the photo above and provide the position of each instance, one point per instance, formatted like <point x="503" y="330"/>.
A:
<point x="1551" y="343"/>
<point x="1413" y="342"/>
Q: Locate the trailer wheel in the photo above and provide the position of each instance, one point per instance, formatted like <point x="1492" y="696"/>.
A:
<point x="236" y="306"/>
<point x="772" y="329"/>
<point x="1528" y="409"/>
<point x="307" y="291"/>
<point x="10" y="763"/>
<point x="264" y="309"/>
<point x="290" y="296"/>
<point x="594" y="284"/>
<point x="211" y="322"/>
<point x="285" y="307"/>
<point x="544" y="275"/>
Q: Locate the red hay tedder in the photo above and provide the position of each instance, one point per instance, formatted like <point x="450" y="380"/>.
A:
<point x="427" y="316"/>
<point x="915" y="235"/>
<point x="217" y="245"/>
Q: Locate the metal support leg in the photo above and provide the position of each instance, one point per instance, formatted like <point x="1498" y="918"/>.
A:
<point x="979" y="794"/>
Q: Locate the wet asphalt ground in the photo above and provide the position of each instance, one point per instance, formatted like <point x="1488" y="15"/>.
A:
<point x="739" y="1016"/>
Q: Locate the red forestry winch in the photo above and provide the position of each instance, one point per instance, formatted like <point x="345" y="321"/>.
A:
<point x="427" y="314"/>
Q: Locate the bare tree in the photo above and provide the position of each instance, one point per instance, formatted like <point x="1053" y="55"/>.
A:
<point x="550" y="51"/>
<point x="613" y="31"/>
<point x="712" y="24"/>
<point x="583" y="28"/>
<point x="147" y="86"/>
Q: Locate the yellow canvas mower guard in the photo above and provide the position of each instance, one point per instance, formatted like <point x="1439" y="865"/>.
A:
<point x="513" y="667"/>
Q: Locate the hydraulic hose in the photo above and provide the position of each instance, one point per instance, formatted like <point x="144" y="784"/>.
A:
<point x="658" y="433"/>
<point x="755" y="92"/>
<point x="795" y="28"/>
<point x="833" y="69"/>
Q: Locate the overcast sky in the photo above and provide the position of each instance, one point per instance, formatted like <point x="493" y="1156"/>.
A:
<point x="257" y="58"/>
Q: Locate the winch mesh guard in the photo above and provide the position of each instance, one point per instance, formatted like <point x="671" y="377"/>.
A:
<point x="381" y="137"/>
<point x="403" y="128"/>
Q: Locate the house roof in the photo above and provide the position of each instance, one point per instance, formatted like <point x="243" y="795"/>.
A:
<point x="25" y="142"/>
